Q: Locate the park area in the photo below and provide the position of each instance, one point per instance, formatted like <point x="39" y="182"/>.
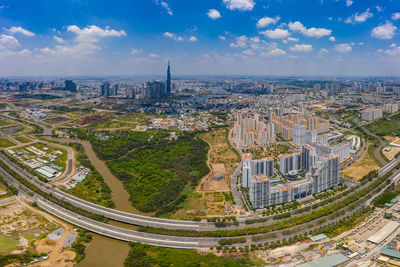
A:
<point x="386" y="126"/>
<point x="362" y="166"/>
<point x="5" y="142"/>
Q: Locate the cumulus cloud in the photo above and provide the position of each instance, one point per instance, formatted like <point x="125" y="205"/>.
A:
<point x="332" y="39"/>
<point x="58" y="39"/>
<point x="134" y="51"/>
<point x="192" y="39"/>
<point x="301" y="48"/>
<point x="248" y="52"/>
<point x="385" y="31"/>
<point x="264" y="22"/>
<point x="85" y="41"/>
<point x="297" y="26"/>
<point x="93" y="33"/>
<point x="396" y="16"/>
<point x="8" y="41"/>
<point x="349" y="2"/>
<point x="359" y="18"/>
<point x="223" y="38"/>
<point x="14" y="30"/>
<point x="241" y="5"/>
<point x="343" y="48"/>
<point x="322" y="52"/>
<point x="311" y="32"/>
<point x="276" y="34"/>
<point x="173" y="36"/>
<point x="394" y="50"/>
<point x="213" y="14"/>
<point x="166" y="6"/>
<point x="240" y="41"/>
<point x="153" y="55"/>
<point x="291" y="39"/>
<point x="274" y="53"/>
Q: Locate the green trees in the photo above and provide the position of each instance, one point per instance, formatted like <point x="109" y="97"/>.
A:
<point x="156" y="173"/>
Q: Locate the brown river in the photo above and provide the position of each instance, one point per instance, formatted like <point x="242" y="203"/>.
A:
<point x="103" y="251"/>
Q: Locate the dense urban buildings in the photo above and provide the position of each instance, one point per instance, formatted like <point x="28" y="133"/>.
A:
<point x="301" y="174"/>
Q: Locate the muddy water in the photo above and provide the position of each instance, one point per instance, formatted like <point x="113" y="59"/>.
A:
<point x="105" y="252"/>
<point x="119" y="195"/>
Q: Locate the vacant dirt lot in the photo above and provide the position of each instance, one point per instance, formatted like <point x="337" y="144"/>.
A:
<point x="361" y="167"/>
<point x="92" y="119"/>
<point x="221" y="160"/>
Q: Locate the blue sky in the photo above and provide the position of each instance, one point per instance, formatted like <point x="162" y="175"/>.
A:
<point x="249" y="37"/>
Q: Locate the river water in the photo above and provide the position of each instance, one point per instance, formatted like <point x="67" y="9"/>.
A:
<point x="104" y="251"/>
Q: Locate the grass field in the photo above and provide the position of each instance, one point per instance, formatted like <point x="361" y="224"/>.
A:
<point x="5" y="142"/>
<point x="5" y="123"/>
<point x="362" y="166"/>
<point x="22" y="139"/>
<point x="7" y="244"/>
<point x="384" y="127"/>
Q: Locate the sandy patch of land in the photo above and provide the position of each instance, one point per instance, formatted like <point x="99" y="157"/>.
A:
<point x="391" y="153"/>
<point x="361" y="167"/>
<point x="221" y="161"/>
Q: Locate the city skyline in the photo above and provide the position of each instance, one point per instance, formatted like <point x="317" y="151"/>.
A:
<point x="224" y="37"/>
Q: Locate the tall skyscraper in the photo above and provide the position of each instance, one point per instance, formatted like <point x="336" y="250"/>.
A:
<point x="70" y="86"/>
<point x="168" y="79"/>
<point x="105" y="89"/>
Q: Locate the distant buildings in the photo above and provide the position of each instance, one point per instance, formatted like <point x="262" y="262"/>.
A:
<point x="70" y="86"/>
<point x="248" y="131"/>
<point x="157" y="89"/>
<point x="371" y="114"/>
<point x="391" y="108"/>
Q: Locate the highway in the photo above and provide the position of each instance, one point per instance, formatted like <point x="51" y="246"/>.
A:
<point x="130" y="235"/>
<point x="136" y="219"/>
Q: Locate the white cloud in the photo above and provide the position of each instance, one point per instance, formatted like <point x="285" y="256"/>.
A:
<point x="21" y="30"/>
<point x="359" y="18"/>
<point x="393" y="51"/>
<point x="93" y="33"/>
<point x="343" y="48"/>
<point x="264" y="22"/>
<point x="322" y="52"/>
<point x="248" y="52"/>
<point x="311" y="32"/>
<point x="290" y="39"/>
<point x="297" y="26"/>
<point x="301" y="48"/>
<point x="274" y="53"/>
<point x="241" y="5"/>
<point x="385" y="31"/>
<point x="58" y="39"/>
<point x="192" y="39"/>
<point x="166" y="6"/>
<point x="223" y="38"/>
<point x="349" y="2"/>
<point x="332" y="39"/>
<point x="317" y="32"/>
<point x="134" y="51"/>
<point x="213" y="14"/>
<point x="396" y="16"/>
<point x="276" y="34"/>
<point x="173" y="36"/>
<point x="85" y="41"/>
<point x="8" y="41"/>
<point x="240" y="41"/>
<point x="153" y="55"/>
<point x="379" y="9"/>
